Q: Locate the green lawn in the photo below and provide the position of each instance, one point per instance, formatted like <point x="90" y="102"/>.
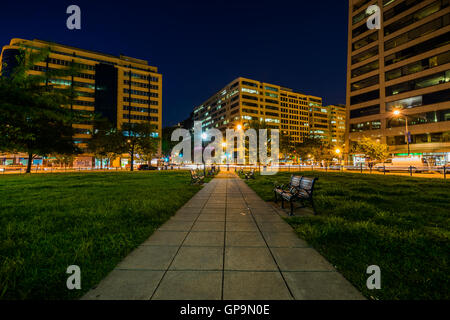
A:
<point x="400" y="224"/>
<point x="51" y="221"/>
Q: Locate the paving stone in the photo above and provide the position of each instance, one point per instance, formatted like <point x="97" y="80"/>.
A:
<point x="205" y="239"/>
<point x="244" y="239"/>
<point x="211" y="217"/>
<point x="268" y="218"/>
<point x="214" y="206"/>
<point x="254" y="286"/>
<point x="166" y="238"/>
<point x="274" y="227"/>
<point x="185" y="217"/>
<point x="241" y="226"/>
<point x="236" y="206"/>
<point x="183" y="211"/>
<point x="149" y="257"/>
<point x="126" y="285"/>
<point x="236" y="217"/>
<point x="218" y="210"/>
<point x="300" y="259"/>
<point x="174" y="225"/>
<point x="321" y="286"/>
<point x="253" y="259"/>
<point x="259" y="206"/>
<point x="283" y="239"/>
<point x="237" y="211"/>
<point x="209" y="226"/>
<point x="187" y="285"/>
<point x="195" y="204"/>
<point x="198" y="258"/>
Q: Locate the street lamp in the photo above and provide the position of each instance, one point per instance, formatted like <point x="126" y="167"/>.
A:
<point x="204" y="136"/>
<point x="338" y="153"/>
<point x="238" y="128"/>
<point x="398" y="113"/>
<point x="224" y="149"/>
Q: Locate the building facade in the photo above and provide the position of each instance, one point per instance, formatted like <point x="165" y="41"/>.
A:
<point x="337" y="115"/>
<point x="399" y="72"/>
<point x="122" y="89"/>
<point x="318" y="122"/>
<point x="244" y="100"/>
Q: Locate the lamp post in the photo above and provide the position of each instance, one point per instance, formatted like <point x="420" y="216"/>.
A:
<point x="132" y="154"/>
<point x="204" y="137"/>
<point x="398" y="113"/>
<point x="224" y="154"/>
<point x="338" y="153"/>
<point x="239" y="128"/>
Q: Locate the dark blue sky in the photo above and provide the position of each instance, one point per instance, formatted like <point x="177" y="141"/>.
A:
<point x="200" y="46"/>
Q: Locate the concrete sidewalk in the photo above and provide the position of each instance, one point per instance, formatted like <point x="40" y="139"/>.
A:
<point x="225" y="243"/>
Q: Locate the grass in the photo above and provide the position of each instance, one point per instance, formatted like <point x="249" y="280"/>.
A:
<point x="93" y="220"/>
<point x="400" y="224"/>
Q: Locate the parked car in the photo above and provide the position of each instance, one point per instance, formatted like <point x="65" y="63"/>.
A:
<point x="146" y="167"/>
<point x="416" y="164"/>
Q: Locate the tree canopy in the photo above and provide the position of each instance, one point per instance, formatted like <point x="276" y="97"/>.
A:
<point x="315" y="148"/>
<point x="36" y="115"/>
<point x="140" y="141"/>
<point x="373" y="150"/>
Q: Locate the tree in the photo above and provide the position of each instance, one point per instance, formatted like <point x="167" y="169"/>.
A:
<point x="373" y="150"/>
<point x="140" y="141"/>
<point x="35" y="115"/>
<point x="317" y="148"/>
<point x="64" y="159"/>
<point x="166" y="142"/>
<point x="286" y="147"/>
<point x="107" y="141"/>
<point x="260" y="125"/>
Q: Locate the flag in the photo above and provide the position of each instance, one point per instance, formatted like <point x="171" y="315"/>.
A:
<point x="408" y="137"/>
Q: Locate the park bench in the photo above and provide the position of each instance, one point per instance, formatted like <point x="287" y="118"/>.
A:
<point x="213" y="171"/>
<point x="250" y="174"/>
<point x="299" y="189"/>
<point x="293" y="183"/>
<point x="196" y="178"/>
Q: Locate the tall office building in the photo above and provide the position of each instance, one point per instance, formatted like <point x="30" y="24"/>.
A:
<point x="402" y="67"/>
<point x="318" y="122"/>
<point x="244" y="100"/>
<point x="122" y="89"/>
<point x="337" y="115"/>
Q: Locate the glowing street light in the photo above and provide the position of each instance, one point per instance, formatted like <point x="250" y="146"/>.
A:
<point x="239" y="127"/>
<point x="398" y="113"/>
<point x="204" y="136"/>
<point x="338" y="153"/>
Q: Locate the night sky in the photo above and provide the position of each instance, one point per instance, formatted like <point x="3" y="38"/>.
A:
<point x="200" y="46"/>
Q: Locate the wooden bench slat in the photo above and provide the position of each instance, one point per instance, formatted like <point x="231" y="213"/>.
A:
<point x="298" y="189"/>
